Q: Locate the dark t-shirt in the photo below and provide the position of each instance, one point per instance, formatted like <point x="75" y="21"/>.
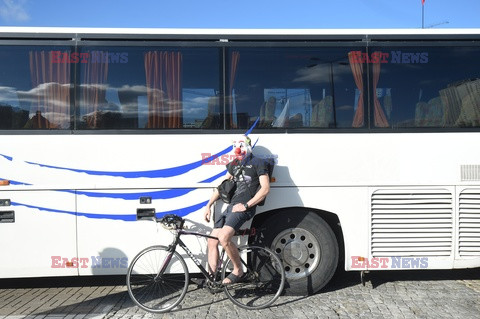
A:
<point x="248" y="182"/>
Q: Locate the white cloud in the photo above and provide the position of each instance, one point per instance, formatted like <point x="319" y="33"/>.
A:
<point x="13" y="10"/>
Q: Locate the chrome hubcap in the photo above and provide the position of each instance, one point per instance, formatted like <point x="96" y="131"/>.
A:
<point x="299" y="251"/>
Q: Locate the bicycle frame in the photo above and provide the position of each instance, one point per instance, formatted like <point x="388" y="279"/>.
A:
<point x="177" y="241"/>
<point x="261" y="285"/>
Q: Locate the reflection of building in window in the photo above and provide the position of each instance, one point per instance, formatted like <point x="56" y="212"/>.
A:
<point x="212" y="120"/>
<point x="322" y="113"/>
<point x="462" y="103"/>
<point x="429" y="114"/>
<point x="286" y="108"/>
<point x="12" y="117"/>
<point x="267" y="112"/>
<point x="384" y="95"/>
<point x="38" y="121"/>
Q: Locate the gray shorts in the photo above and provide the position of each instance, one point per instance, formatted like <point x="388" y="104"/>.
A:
<point x="234" y="220"/>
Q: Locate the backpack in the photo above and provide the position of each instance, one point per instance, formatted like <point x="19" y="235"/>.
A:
<point x="270" y="164"/>
<point x="226" y="190"/>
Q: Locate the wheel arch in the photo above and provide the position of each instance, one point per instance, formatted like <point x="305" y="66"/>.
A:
<point x="330" y="218"/>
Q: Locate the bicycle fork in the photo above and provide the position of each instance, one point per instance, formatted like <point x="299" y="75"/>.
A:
<point x="171" y="251"/>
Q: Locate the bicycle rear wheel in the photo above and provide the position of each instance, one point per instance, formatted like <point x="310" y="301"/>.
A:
<point x="151" y="291"/>
<point x="263" y="281"/>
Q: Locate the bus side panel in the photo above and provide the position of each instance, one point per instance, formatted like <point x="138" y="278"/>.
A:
<point x="467" y="248"/>
<point x="411" y="228"/>
<point x="348" y="203"/>
<point x="37" y="240"/>
<point x="110" y="233"/>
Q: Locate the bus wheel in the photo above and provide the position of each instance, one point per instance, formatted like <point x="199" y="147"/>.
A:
<point x="308" y="249"/>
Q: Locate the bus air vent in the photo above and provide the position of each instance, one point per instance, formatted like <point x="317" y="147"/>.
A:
<point x="469" y="223"/>
<point x="412" y="222"/>
<point x="470" y="173"/>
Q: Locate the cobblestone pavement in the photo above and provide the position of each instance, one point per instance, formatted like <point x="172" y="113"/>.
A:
<point x="400" y="294"/>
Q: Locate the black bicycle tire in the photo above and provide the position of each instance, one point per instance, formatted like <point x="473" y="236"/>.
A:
<point x="129" y="283"/>
<point x="280" y="287"/>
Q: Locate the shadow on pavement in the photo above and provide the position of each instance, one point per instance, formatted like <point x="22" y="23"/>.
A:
<point x="343" y="279"/>
<point x="103" y="294"/>
<point x="379" y="278"/>
<point x="74" y="281"/>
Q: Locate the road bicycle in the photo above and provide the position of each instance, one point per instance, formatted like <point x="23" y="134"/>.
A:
<point x="158" y="277"/>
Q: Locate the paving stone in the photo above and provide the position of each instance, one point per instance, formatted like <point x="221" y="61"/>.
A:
<point x="445" y="294"/>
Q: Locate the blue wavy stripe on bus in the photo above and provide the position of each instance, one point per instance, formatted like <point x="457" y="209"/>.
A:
<point x="159" y="173"/>
<point x="163" y="194"/>
<point x="213" y="178"/>
<point x="123" y="217"/>
<point x="8" y="158"/>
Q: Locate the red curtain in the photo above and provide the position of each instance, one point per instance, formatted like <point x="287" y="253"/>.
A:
<point x="380" y="119"/>
<point x="50" y="95"/>
<point x="357" y="71"/>
<point x="164" y="89"/>
<point x="235" y="58"/>
<point x="94" y="91"/>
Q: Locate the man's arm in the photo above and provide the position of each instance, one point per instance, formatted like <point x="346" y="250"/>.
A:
<point x="259" y="196"/>
<point x="213" y="199"/>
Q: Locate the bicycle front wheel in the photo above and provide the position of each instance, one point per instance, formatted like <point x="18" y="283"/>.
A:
<point x="157" y="280"/>
<point x="263" y="281"/>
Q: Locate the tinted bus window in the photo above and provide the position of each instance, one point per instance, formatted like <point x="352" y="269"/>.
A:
<point x="149" y="88"/>
<point x="35" y="88"/>
<point x="427" y="87"/>
<point x="295" y="87"/>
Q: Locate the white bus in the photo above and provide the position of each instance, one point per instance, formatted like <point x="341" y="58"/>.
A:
<point x="375" y="134"/>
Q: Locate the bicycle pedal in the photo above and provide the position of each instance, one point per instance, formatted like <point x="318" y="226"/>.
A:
<point x="215" y="291"/>
<point x="201" y="283"/>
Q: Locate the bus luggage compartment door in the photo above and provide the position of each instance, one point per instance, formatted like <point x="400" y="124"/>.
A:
<point x="37" y="233"/>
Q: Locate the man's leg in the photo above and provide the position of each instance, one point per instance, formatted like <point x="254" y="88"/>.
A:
<point x="212" y="250"/>
<point x="225" y="236"/>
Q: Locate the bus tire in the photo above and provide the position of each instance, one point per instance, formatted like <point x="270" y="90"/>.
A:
<point x="308" y="249"/>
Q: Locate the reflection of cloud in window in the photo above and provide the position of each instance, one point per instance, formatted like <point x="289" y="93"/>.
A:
<point x="344" y="108"/>
<point x="8" y="96"/>
<point x="320" y="74"/>
<point x="53" y="107"/>
<point x="195" y="103"/>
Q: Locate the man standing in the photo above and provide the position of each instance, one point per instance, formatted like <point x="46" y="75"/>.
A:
<point x="249" y="173"/>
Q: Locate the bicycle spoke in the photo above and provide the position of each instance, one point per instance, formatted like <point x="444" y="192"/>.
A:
<point x="152" y="292"/>
<point x="263" y="282"/>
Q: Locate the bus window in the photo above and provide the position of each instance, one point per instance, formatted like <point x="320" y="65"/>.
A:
<point x="35" y="87"/>
<point x="293" y="88"/>
<point x="149" y="88"/>
<point x="429" y="87"/>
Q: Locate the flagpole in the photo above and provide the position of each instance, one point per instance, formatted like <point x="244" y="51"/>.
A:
<point x="423" y="16"/>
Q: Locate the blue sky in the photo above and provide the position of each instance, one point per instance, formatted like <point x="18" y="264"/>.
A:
<point x="275" y="14"/>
